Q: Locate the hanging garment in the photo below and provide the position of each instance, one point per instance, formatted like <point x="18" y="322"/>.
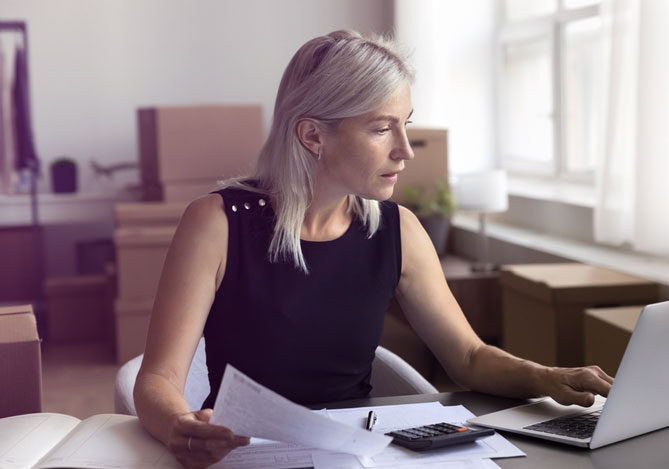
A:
<point x="25" y="148"/>
<point x="2" y="123"/>
<point x="8" y="173"/>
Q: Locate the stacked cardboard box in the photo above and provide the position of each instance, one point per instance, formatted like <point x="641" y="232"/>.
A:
<point x="142" y="238"/>
<point x="430" y="165"/>
<point x="78" y="308"/>
<point x="606" y="334"/>
<point x="20" y="362"/>
<point x="543" y="306"/>
<point x="184" y="150"/>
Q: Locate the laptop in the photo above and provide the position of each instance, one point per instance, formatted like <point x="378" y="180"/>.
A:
<point x="637" y="401"/>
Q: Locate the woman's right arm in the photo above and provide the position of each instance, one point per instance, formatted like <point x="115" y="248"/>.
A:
<point x="191" y="274"/>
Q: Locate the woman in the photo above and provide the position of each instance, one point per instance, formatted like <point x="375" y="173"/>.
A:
<point x="289" y="274"/>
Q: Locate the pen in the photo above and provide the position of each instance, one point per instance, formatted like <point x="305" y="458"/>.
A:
<point x="371" y="420"/>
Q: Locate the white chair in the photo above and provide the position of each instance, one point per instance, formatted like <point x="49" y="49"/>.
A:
<point x="391" y="376"/>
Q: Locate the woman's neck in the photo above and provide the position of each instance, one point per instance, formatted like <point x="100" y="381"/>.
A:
<point x="326" y="218"/>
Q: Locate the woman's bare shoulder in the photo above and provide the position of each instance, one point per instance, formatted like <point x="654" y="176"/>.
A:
<point x="206" y="213"/>
<point x="409" y="224"/>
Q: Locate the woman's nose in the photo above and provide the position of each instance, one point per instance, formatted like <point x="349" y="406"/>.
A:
<point x="403" y="151"/>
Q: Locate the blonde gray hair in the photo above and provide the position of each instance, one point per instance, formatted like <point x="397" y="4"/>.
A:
<point x="330" y="78"/>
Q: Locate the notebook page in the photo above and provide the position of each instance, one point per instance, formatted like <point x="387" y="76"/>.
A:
<point x="110" y="441"/>
<point x="24" y="439"/>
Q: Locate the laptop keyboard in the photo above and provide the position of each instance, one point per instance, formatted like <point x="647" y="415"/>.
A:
<point x="579" y="426"/>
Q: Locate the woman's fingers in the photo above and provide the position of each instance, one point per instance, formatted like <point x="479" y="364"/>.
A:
<point x="602" y="374"/>
<point x="591" y="379"/>
<point x="570" y="396"/>
<point x="207" y="446"/>
<point x="203" y="415"/>
<point x="579" y="385"/>
<point x="189" y="425"/>
<point x="197" y="443"/>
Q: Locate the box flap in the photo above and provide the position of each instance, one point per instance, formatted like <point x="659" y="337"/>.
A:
<point x="77" y="284"/>
<point x="143" y="236"/>
<point x="149" y="213"/>
<point x="624" y="317"/>
<point x="17" y="324"/>
<point x="569" y="275"/>
<point x="576" y="282"/>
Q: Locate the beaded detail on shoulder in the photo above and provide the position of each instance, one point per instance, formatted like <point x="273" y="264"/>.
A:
<point x="239" y="200"/>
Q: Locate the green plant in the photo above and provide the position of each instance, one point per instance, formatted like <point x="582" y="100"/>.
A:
<point x="423" y="202"/>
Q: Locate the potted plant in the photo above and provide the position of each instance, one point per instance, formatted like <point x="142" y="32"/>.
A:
<point x="433" y="208"/>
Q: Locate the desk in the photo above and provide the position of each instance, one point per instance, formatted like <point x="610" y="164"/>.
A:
<point x="644" y="452"/>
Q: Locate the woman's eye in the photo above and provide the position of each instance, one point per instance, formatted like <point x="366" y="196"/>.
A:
<point x="382" y="131"/>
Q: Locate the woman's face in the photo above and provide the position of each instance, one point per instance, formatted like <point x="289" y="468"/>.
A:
<point x="366" y="153"/>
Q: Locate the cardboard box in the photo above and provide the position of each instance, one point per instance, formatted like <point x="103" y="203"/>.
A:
<point x="430" y="165"/>
<point x="606" y="334"/>
<point x="148" y="214"/>
<point x="78" y="308"/>
<point x="132" y="325"/>
<point x="198" y="143"/>
<point x="20" y="362"/>
<point x="178" y="191"/>
<point x="140" y="254"/>
<point x="17" y="257"/>
<point x="543" y="306"/>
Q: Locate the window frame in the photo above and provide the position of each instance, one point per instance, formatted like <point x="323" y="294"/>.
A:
<point x="549" y="27"/>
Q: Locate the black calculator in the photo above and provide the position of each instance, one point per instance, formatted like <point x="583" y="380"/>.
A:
<point x="436" y="436"/>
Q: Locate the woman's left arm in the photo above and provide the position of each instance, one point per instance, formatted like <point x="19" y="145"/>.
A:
<point x="436" y="317"/>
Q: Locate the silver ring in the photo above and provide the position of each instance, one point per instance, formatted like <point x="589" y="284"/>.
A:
<point x="189" y="440"/>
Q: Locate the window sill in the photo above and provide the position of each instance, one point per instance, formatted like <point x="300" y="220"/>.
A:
<point x="633" y="263"/>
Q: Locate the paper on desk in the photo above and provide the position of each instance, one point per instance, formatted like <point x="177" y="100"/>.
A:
<point x="328" y="460"/>
<point x="410" y="415"/>
<point x="248" y="408"/>
<point x="266" y="454"/>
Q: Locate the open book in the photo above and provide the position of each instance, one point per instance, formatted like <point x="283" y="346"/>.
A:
<point x="102" y="441"/>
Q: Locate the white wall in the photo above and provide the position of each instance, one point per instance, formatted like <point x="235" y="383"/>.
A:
<point x="453" y="53"/>
<point x="93" y="63"/>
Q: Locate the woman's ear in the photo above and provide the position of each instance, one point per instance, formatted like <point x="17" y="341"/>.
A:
<point x="310" y="135"/>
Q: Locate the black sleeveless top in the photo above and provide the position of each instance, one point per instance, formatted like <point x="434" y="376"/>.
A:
<point x="309" y="337"/>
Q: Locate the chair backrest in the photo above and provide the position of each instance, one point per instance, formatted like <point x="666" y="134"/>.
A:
<point x="391" y="376"/>
<point x="195" y="391"/>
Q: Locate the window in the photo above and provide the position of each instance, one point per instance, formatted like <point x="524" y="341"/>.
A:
<point x="550" y="80"/>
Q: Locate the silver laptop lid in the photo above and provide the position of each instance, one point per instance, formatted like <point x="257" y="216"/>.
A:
<point x="637" y="401"/>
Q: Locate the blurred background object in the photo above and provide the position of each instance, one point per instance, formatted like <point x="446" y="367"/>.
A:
<point x="483" y="192"/>
<point x="64" y="175"/>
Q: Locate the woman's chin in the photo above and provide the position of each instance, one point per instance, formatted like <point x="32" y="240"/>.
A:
<point x="378" y="194"/>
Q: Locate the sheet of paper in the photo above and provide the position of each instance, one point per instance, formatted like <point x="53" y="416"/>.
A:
<point x="266" y="454"/>
<point x="247" y="408"/>
<point x="24" y="439"/>
<point x="403" y="416"/>
<point x="328" y="460"/>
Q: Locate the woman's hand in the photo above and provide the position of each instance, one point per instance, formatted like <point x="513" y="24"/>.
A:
<point x="577" y="385"/>
<point x="197" y="444"/>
